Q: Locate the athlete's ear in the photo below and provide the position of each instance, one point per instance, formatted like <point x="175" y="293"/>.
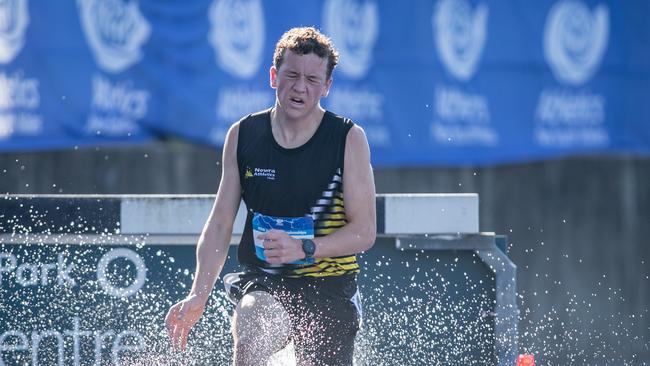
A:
<point x="328" y="84"/>
<point x="273" y="77"/>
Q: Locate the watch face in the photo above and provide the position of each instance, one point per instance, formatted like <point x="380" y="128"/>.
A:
<point x="308" y="247"/>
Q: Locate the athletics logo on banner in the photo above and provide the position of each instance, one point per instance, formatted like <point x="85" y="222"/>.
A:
<point x="460" y="116"/>
<point x="14" y="19"/>
<point x="354" y="27"/>
<point x="237" y="35"/>
<point x="115" y="32"/>
<point x="20" y="96"/>
<point x="575" y="40"/>
<point x="460" y="35"/>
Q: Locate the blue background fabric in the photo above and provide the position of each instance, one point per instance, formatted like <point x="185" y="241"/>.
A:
<point x="446" y="82"/>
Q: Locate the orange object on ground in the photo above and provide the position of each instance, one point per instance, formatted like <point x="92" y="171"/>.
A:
<point x="526" y="360"/>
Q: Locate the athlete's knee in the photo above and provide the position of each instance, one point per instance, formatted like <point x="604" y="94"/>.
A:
<point x="260" y="327"/>
<point x="258" y="314"/>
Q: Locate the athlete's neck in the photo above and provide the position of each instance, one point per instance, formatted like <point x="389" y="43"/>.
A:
<point x="290" y="133"/>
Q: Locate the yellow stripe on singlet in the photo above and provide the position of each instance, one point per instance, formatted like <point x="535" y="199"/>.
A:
<point x="330" y="267"/>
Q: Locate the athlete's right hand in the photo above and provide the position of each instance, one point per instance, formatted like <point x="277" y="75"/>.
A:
<point x="181" y="318"/>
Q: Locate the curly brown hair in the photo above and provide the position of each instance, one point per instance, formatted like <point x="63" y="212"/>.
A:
<point x="303" y="41"/>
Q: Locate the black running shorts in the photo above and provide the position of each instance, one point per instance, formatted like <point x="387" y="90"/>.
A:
<point x="325" y="312"/>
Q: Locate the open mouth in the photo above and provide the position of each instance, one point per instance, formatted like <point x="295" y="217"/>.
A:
<point x="298" y="101"/>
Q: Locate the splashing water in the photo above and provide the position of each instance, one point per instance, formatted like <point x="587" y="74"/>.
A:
<point x="433" y="308"/>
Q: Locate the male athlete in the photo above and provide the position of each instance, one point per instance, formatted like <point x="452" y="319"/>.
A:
<point x="304" y="174"/>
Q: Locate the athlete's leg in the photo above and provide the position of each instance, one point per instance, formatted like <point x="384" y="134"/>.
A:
<point x="260" y="327"/>
<point x="325" y="332"/>
<point x="325" y="340"/>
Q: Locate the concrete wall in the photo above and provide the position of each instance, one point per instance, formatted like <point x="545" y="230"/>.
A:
<point x="171" y="167"/>
<point x="578" y="230"/>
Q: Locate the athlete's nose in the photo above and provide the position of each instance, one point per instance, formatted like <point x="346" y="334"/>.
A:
<point x="300" y="85"/>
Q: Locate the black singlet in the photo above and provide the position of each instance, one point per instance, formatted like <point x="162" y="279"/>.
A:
<point x="303" y="183"/>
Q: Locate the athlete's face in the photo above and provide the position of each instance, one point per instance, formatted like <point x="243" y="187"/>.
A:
<point x="300" y="82"/>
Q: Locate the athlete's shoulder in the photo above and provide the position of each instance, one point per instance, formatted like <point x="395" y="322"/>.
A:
<point x="252" y="129"/>
<point x="357" y="135"/>
<point x="343" y="122"/>
<point x="354" y="134"/>
<point x="255" y="117"/>
<point x="253" y="124"/>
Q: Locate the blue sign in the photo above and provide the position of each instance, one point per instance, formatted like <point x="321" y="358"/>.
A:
<point x="443" y="82"/>
<point x="104" y="304"/>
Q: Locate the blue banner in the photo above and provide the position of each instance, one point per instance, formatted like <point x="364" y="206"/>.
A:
<point x="443" y="82"/>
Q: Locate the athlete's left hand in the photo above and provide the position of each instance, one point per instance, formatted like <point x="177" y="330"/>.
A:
<point x="280" y="248"/>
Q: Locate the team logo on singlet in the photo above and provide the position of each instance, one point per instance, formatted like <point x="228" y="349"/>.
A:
<point x="575" y="40"/>
<point x="14" y="19"/>
<point x="353" y="26"/>
<point x="237" y="35"/>
<point x="259" y="172"/>
<point x="115" y="30"/>
<point x="460" y="33"/>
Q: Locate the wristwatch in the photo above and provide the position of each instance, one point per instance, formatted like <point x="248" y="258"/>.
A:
<point x="309" y="247"/>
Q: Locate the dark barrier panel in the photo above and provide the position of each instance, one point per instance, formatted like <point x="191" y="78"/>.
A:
<point x="72" y="297"/>
<point x="97" y="304"/>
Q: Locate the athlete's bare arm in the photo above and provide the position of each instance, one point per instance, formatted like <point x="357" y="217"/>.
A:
<point x="360" y="232"/>
<point x="212" y="248"/>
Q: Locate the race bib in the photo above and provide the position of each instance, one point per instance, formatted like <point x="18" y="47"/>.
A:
<point x="296" y="227"/>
